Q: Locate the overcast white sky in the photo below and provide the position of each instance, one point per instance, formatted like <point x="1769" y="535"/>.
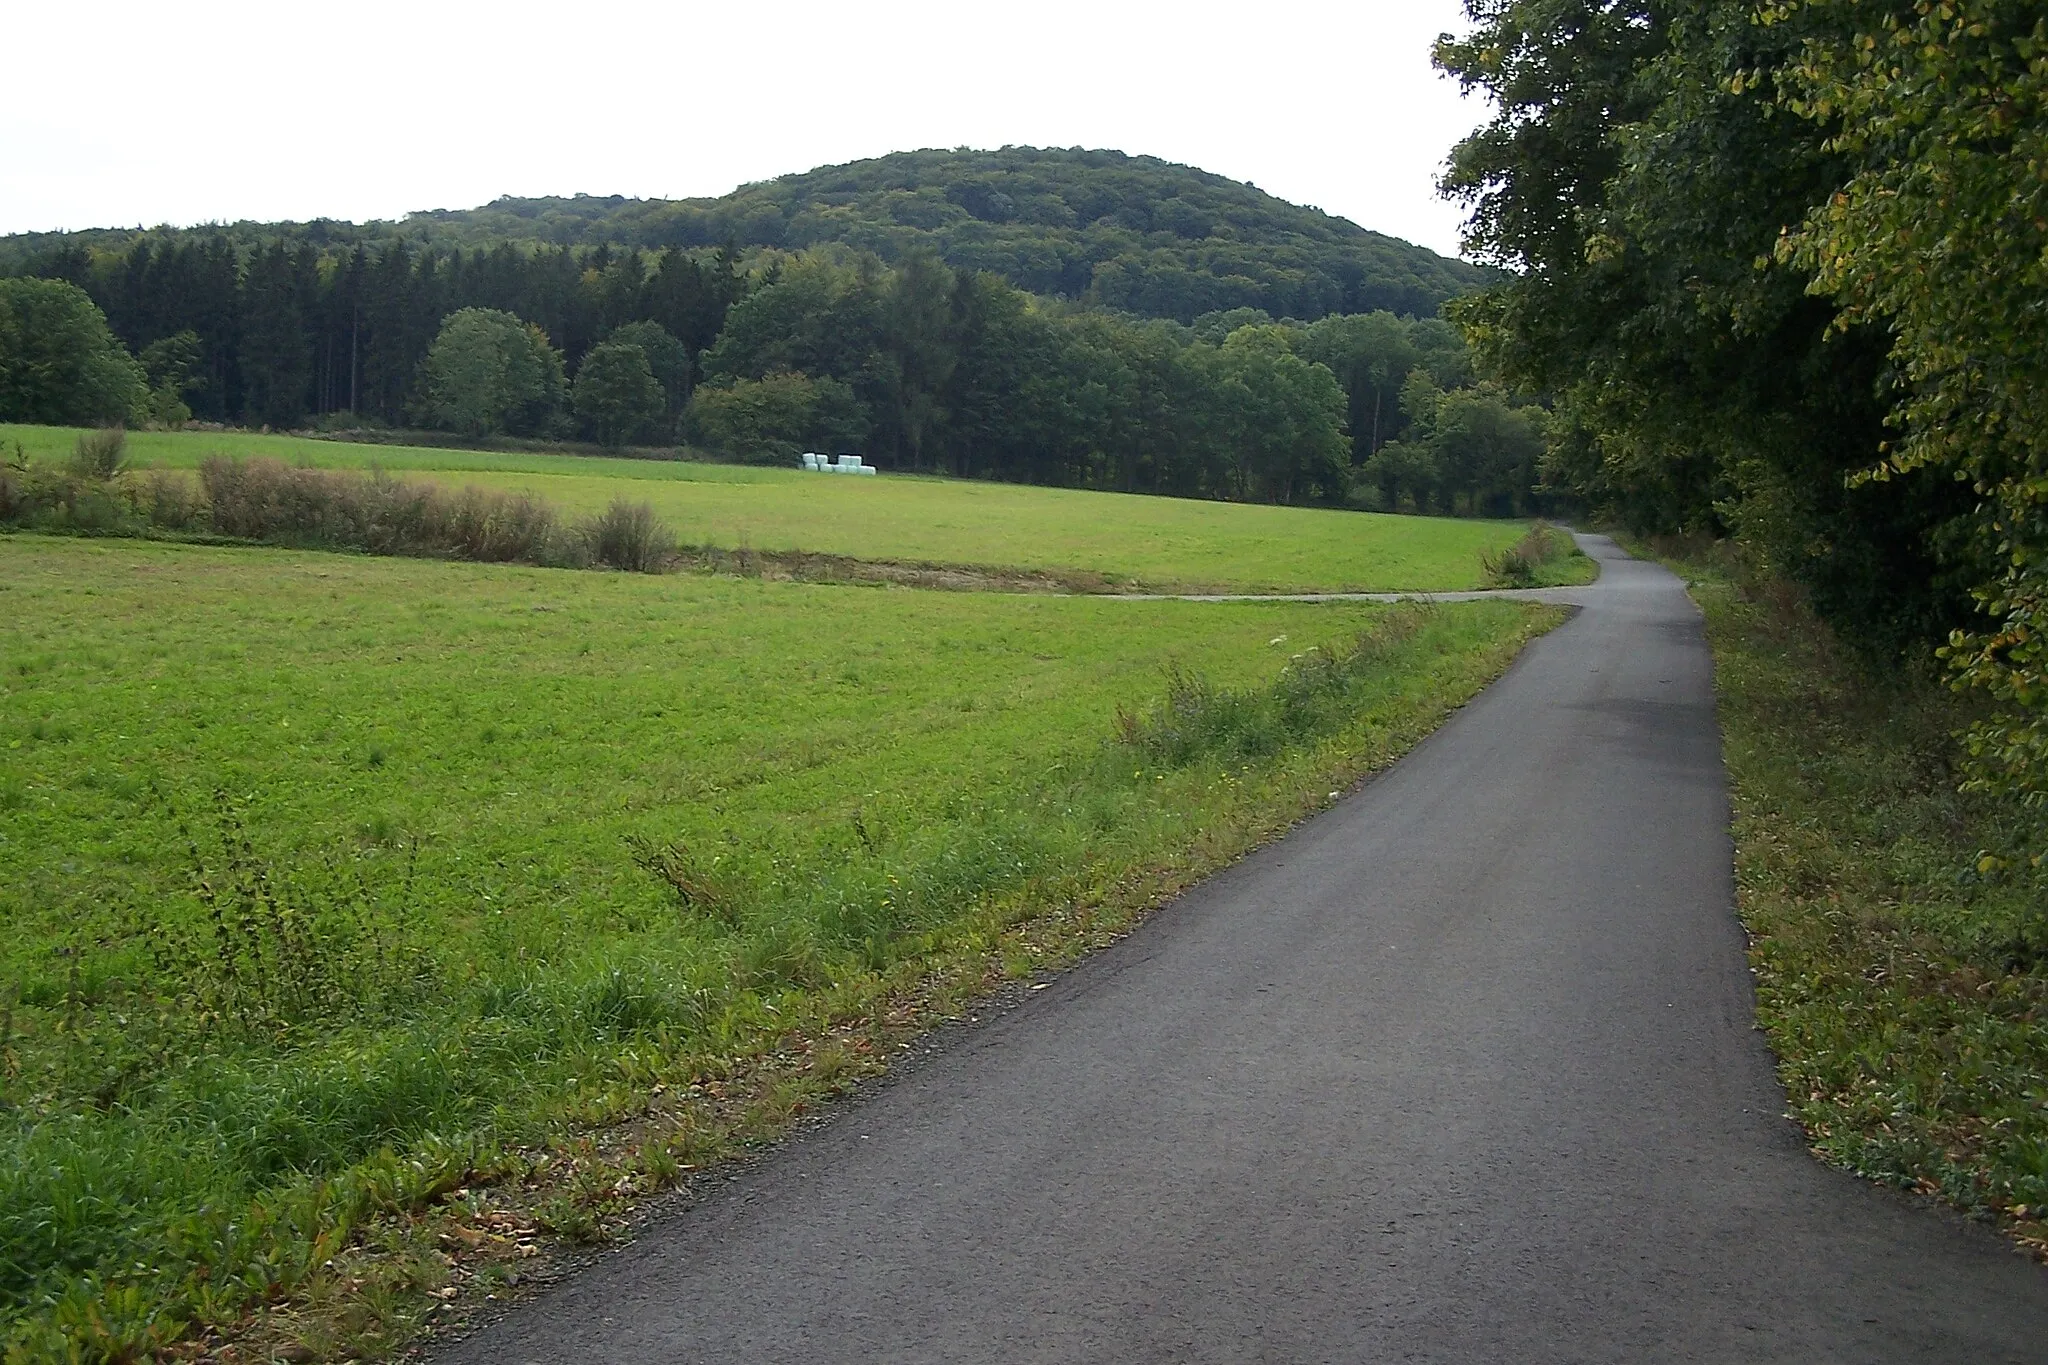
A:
<point x="122" y="114"/>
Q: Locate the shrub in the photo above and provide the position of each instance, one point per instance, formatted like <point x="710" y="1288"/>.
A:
<point x="1519" y="565"/>
<point x="1511" y="568"/>
<point x="499" y="527"/>
<point x="167" y="500"/>
<point x="60" y="500"/>
<point x="21" y="495"/>
<point x="13" y="487"/>
<point x="269" y="500"/>
<point x="100" y="454"/>
<point x="627" y="535"/>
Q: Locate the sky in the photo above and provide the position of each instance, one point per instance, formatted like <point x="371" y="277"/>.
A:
<point x="126" y="114"/>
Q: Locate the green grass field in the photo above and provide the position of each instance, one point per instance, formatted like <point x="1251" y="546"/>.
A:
<point x="1170" y="543"/>
<point x="317" y="868"/>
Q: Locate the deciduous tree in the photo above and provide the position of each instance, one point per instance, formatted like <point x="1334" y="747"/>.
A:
<point x="488" y="372"/>
<point x="776" y="416"/>
<point x="1940" y="236"/>
<point x="59" y="362"/>
<point x="617" y="395"/>
<point x="666" y="356"/>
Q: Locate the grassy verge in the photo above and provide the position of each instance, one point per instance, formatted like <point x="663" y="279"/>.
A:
<point x="1546" y="557"/>
<point x="1168" y="543"/>
<point x="1902" y="978"/>
<point x="372" y="925"/>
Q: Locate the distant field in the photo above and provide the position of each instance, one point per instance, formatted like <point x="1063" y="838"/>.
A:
<point x="1157" y="542"/>
<point x="306" y="856"/>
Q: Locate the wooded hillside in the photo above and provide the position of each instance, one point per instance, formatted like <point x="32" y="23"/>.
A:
<point x="1127" y="232"/>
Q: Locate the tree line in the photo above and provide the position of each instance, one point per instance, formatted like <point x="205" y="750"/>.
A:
<point x="921" y="366"/>
<point x="282" y="331"/>
<point x="1781" y="268"/>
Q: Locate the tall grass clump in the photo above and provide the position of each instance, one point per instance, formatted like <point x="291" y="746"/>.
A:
<point x="274" y="949"/>
<point x="1316" y="691"/>
<point x="166" y="502"/>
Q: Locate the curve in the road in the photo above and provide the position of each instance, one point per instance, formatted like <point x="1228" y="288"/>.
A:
<point x="1464" y="1069"/>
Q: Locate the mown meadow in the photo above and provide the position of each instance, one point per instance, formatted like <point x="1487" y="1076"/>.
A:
<point x="1161" y="543"/>
<point x="331" y="883"/>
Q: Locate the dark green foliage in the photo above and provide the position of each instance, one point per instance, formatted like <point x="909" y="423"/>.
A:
<point x="777" y="416"/>
<point x="282" y="324"/>
<point x="902" y="336"/>
<point x="1212" y="327"/>
<point x="279" y="291"/>
<point x="1783" y="267"/>
<point x="668" y="359"/>
<point x="1486" y="447"/>
<point x="959" y="373"/>
<point x="1941" y="235"/>
<point x="171" y="364"/>
<point x="1783" y="270"/>
<point x="617" y="395"/>
<point x="1472" y="450"/>
<point x="59" y="363"/>
<point x="1402" y="474"/>
<point x="490" y="372"/>
<point x="1276" y="420"/>
<point x="1639" y="174"/>
<point x="294" y="319"/>
<point x="1371" y="355"/>
<point x="1128" y="232"/>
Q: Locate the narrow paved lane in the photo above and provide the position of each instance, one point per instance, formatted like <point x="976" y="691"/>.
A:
<point x="1463" y="1070"/>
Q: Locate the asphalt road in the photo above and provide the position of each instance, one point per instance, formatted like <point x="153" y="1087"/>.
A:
<point x="1462" y="1070"/>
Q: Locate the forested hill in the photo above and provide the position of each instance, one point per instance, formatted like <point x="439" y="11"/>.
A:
<point x="1126" y="232"/>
